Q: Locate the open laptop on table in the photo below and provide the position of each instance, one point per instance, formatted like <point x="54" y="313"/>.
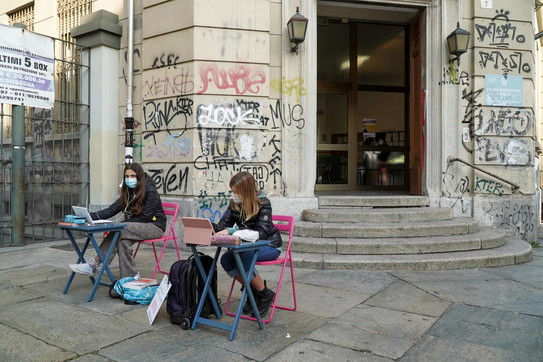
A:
<point x="198" y="230"/>
<point x="83" y="212"/>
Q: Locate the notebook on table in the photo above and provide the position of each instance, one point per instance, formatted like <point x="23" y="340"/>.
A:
<point x="83" y="212"/>
<point x="198" y="230"/>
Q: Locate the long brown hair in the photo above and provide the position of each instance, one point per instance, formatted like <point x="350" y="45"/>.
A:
<point x="244" y="185"/>
<point x="136" y="198"/>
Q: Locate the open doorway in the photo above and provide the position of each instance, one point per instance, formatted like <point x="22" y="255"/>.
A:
<point x="365" y="79"/>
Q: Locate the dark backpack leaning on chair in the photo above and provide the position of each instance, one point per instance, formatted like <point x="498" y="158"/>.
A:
<point x="187" y="286"/>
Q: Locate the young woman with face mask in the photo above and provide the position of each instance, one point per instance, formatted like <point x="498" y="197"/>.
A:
<point x="250" y="209"/>
<point x="143" y="214"/>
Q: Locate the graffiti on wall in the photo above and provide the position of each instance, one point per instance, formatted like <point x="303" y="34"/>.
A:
<point x="170" y="178"/>
<point x="239" y="79"/>
<point x="162" y="146"/>
<point x="287" y="115"/>
<point x="240" y="113"/>
<point x="516" y="218"/>
<point x="458" y="187"/>
<point x="212" y="207"/>
<point x="166" y="114"/>
<point x="290" y="87"/>
<point x="167" y="82"/>
<point x="165" y="60"/>
<point x="450" y="76"/>
<point x="507" y="61"/>
<point x="504" y="150"/>
<point x="499" y="32"/>
<point x="504" y="121"/>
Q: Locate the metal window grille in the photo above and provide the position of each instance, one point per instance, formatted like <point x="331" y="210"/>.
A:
<point x="69" y="15"/>
<point x="56" y="152"/>
<point x="24" y="16"/>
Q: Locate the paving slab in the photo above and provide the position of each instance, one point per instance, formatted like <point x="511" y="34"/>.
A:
<point x="79" y="289"/>
<point x="458" y="275"/>
<point x="517" y="333"/>
<point x="505" y="294"/>
<point x="76" y="329"/>
<point x="404" y="297"/>
<point x="382" y="332"/>
<point x="11" y="295"/>
<point x="355" y="280"/>
<point x="493" y="314"/>
<point x="324" y="302"/>
<point x="91" y="358"/>
<point x="169" y="345"/>
<point x="24" y="258"/>
<point x="308" y="350"/>
<point x="18" y="346"/>
<point x="36" y="273"/>
<point x="431" y="348"/>
<point x="529" y="274"/>
<point x="205" y="343"/>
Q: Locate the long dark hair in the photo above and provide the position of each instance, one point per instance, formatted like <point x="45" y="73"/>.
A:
<point x="135" y="198"/>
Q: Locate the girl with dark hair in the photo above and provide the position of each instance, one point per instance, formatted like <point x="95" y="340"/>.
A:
<point x="144" y="216"/>
<point x="250" y="209"/>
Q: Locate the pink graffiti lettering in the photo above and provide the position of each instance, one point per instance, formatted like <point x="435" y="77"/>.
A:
<point x="240" y="78"/>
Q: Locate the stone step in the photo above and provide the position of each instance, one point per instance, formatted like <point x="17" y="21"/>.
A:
<point x="514" y="251"/>
<point x="373" y="201"/>
<point x="459" y="225"/>
<point x="485" y="238"/>
<point x="378" y="214"/>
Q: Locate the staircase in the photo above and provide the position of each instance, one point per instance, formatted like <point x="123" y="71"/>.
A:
<point x="398" y="233"/>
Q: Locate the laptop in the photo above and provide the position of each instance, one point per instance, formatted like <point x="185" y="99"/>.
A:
<point x="198" y="230"/>
<point x="83" y="212"/>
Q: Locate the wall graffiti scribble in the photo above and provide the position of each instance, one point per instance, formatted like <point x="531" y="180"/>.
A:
<point x="167" y="82"/>
<point x="172" y="180"/>
<point x="242" y="79"/>
<point x="162" y="114"/>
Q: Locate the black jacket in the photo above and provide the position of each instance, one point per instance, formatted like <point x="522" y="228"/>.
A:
<point x="152" y="208"/>
<point x="261" y="222"/>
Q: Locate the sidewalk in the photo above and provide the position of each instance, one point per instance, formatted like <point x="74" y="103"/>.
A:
<point x="456" y="315"/>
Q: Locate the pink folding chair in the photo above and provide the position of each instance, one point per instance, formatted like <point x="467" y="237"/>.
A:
<point x="170" y="209"/>
<point x="283" y="223"/>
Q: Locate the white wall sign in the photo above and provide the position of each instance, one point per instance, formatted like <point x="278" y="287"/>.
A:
<point x="26" y="68"/>
<point x="486" y="4"/>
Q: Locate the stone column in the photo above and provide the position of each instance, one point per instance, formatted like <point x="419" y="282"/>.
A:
<point x="101" y="33"/>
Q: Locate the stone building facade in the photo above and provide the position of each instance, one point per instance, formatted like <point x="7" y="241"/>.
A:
<point x="371" y="103"/>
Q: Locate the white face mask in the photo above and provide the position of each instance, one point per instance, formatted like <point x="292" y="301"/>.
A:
<point x="236" y="198"/>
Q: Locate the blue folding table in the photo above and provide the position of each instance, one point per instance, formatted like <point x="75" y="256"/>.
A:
<point x="247" y="292"/>
<point x="90" y="230"/>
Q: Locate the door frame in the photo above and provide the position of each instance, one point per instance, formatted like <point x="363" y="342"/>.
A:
<point x="413" y="112"/>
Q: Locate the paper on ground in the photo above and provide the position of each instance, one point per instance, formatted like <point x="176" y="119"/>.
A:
<point x="158" y="299"/>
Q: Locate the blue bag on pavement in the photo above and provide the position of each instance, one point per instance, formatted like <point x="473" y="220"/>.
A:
<point x="139" y="296"/>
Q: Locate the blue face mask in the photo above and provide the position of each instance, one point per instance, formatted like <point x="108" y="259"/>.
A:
<point x="131" y="182"/>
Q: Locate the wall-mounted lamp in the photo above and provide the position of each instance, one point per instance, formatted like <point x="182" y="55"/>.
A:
<point x="458" y="42"/>
<point x="297" y="27"/>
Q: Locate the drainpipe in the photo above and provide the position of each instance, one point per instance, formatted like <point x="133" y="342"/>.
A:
<point x="129" y="119"/>
<point x="17" y="203"/>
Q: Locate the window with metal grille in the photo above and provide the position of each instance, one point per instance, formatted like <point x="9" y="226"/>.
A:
<point x="24" y="16"/>
<point x="69" y="15"/>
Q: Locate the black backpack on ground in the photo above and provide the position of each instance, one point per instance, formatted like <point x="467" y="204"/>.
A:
<point x="187" y="286"/>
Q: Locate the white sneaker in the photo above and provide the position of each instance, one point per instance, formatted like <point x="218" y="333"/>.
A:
<point x="84" y="269"/>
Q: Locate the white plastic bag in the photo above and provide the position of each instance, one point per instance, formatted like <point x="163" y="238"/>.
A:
<point x="247" y="235"/>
